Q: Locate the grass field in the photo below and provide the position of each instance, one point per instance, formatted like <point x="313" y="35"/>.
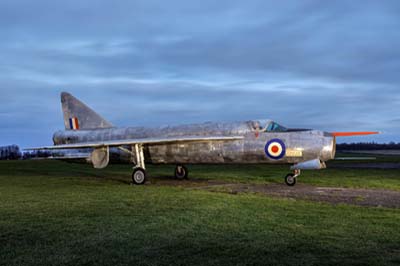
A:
<point x="56" y="213"/>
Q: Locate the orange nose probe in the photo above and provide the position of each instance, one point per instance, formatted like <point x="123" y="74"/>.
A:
<point x="349" y="134"/>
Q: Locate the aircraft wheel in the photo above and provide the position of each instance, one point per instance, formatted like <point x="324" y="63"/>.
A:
<point x="290" y="180"/>
<point x="181" y="172"/>
<point x="139" y="176"/>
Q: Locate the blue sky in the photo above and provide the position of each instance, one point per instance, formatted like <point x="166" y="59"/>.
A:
<point x="330" y="65"/>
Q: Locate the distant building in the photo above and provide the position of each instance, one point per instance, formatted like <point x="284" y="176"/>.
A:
<point x="11" y="152"/>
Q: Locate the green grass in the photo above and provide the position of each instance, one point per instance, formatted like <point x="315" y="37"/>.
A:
<point x="55" y="213"/>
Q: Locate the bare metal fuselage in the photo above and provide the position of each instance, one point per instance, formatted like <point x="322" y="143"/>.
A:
<point x="307" y="144"/>
<point x="90" y="137"/>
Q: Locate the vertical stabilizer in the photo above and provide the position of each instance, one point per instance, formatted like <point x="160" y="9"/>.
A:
<point x="77" y="115"/>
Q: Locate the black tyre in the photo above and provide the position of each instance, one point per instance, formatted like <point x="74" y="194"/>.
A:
<point x="139" y="176"/>
<point x="290" y="180"/>
<point x="181" y="172"/>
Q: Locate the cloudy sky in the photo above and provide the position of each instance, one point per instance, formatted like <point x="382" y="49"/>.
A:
<point x="330" y="65"/>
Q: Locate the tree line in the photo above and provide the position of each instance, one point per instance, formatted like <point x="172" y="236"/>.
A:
<point x="11" y="152"/>
<point x="360" y="146"/>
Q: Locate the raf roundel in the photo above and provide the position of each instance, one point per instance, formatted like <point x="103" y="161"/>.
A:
<point x="275" y="149"/>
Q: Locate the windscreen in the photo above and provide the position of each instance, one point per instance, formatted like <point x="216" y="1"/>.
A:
<point x="275" y="127"/>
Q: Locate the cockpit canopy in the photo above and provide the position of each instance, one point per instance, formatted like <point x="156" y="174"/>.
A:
<point x="275" y="127"/>
<point x="267" y="126"/>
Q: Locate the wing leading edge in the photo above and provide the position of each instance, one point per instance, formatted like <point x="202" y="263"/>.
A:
<point x="144" y="141"/>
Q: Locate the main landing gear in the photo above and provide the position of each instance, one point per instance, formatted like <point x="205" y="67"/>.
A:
<point x="290" y="178"/>
<point x="139" y="175"/>
<point x="181" y="172"/>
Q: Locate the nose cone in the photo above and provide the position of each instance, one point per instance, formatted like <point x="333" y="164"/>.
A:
<point x="329" y="148"/>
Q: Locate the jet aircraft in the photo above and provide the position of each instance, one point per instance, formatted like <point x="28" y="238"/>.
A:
<point x="254" y="141"/>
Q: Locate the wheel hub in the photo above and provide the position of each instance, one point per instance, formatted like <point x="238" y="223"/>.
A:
<point x="138" y="176"/>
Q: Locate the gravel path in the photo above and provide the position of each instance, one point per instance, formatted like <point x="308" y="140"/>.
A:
<point x="362" y="197"/>
<point x="333" y="195"/>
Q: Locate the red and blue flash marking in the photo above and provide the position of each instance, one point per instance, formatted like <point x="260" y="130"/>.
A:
<point x="74" y="123"/>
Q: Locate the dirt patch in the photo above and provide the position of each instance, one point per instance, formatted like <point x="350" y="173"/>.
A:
<point x="362" y="197"/>
<point x="333" y="195"/>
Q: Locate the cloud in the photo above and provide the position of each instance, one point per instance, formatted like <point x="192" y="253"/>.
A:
<point x="331" y="65"/>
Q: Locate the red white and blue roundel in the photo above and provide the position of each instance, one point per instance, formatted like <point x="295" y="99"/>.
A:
<point x="275" y="149"/>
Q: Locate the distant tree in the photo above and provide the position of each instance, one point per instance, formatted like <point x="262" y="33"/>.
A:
<point x="368" y="146"/>
<point x="36" y="154"/>
<point x="10" y="152"/>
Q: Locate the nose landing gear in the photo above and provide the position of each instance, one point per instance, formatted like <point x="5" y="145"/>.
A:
<point x="290" y="178"/>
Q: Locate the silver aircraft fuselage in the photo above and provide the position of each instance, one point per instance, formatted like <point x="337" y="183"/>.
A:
<point x="255" y="141"/>
<point x="300" y="145"/>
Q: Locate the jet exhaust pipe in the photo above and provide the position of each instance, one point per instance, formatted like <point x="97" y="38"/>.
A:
<point x="308" y="165"/>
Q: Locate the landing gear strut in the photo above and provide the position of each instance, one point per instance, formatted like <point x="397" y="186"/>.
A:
<point x="181" y="172"/>
<point x="139" y="174"/>
<point x="290" y="179"/>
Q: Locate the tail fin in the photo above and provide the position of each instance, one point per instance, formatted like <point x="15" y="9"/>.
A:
<point x="79" y="116"/>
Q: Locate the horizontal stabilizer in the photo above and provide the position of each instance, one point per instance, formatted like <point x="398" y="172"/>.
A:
<point x="350" y="134"/>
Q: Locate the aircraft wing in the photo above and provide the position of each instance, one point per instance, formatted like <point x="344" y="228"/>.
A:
<point x="65" y="157"/>
<point x="145" y="141"/>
